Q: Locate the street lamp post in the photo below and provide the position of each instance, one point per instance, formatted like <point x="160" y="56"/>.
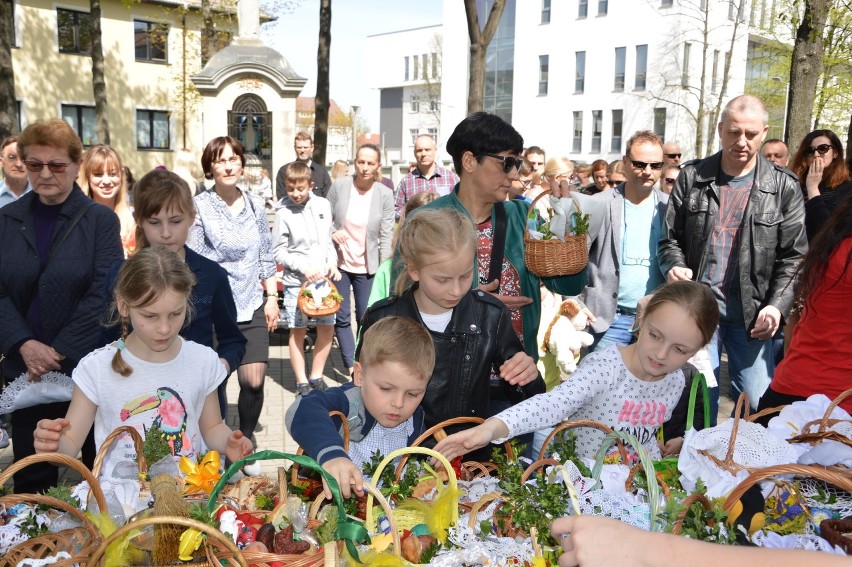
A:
<point x="353" y="117"/>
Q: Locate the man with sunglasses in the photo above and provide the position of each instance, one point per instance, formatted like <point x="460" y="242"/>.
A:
<point x="671" y="154"/>
<point x="735" y="221"/>
<point x="668" y="179"/>
<point x="623" y="257"/>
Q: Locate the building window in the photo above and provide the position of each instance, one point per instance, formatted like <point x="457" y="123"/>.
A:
<point x="545" y="11"/>
<point x="615" y="145"/>
<point x="74" y="31"/>
<point x="583" y="9"/>
<point x="684" y="76"/>
<point x="641" y="67"/>
<point x="415" y="104"/>
<point x="407" y="62"/>
<point x="660" y="123"/>
<point x="620" y="61"/>
<point x="580" y="79"/>
<point x="603" y="7"/>
<point x="434" y="65"/>
<point x="715" y="81"/>
<point x="543" y="61"/>
<point x="597" y="130"/>
<point x="577" y="142"/>
<point x="83" y="121"/>
<point x="151" y="39"/>
<point x="732" y="10"/>
<point x="666" y="3"/>
<point x="434" y="133"/>
<point x="433" y="105"/>
<point x="152" y="130"/>
<point x="425" y="65"/>
<point x="10" y="25"/>
<point x="413" y="132"/>
<point x="416" y="67"/>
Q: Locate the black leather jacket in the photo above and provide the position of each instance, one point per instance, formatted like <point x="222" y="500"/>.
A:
<point x="773" y="238"/>
<point x="478" y="338"/>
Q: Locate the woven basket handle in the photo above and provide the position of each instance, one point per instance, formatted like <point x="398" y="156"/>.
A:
<point x="581" y="423"/>
<point x="479" y="505"/>
<point x="59" y="459"/>
<point x="741" y="411"/>
<point x="452" y="481"/>
<point x="677" y="527"/>
<point x="112" y="438"/>
<point x="211" y="532"/>
<point x="531" y="208"/>
<point x="838" y="479"/>
<point x="534" y="467"/>
<point x="824" y="424"/>
<point x="647" y="463"/>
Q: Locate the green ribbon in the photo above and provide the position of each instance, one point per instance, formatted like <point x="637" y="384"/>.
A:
<point x="349" y="531"/>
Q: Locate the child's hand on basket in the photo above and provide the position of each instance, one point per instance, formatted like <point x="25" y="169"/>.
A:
<point x="238" y="446"/>
<point x="672" y="447"/>
<point x="348" y="476"/>
<point x="47" y="434"/>
<point x="471" y="439"/>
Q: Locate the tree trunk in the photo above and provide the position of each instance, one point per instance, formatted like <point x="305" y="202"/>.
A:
<point x="805" y="70"/>
<point x="8" y="103"/>
<point x="702" y="92"/>
<point x="321" y="100"/>
<point x="98" y="73"/>
<point x="479" y="40"/>
<point x="723" y="87"/>
<point x="208" y="33"/>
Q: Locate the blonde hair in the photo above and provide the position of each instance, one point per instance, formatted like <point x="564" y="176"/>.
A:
<point x="142" y="280"/>
<point x="401" y="340"/>
<point x="557" y="166"/>
<point x="432" y="231"/>
<point x="339" y="169"/>
<point x="100" y="159"/>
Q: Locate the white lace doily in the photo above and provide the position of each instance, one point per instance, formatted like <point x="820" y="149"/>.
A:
<point x="21" y="393"/>
<point x="794" y="541"/>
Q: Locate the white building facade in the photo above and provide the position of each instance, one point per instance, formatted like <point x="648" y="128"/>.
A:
<point x="579" y="77"/>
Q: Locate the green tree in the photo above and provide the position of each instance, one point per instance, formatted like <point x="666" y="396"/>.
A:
<point x="480" y="37"/>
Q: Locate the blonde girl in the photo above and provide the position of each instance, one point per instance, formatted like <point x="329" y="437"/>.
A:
<point x="102" y="177"/>
<point x="629" y="388"/>
<point x="471" y="329"/>
<point x="151" y="376"/>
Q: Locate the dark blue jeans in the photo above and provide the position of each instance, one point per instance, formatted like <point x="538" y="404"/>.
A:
<point x="360" y="286"/>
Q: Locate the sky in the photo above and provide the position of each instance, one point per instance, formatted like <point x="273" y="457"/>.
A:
<point x="295" y="37"/>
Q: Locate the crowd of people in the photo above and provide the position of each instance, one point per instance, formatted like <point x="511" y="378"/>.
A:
<point x="732" y="251"/>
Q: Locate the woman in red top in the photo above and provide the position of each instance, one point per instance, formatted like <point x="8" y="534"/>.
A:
<point x="819" y="360"/>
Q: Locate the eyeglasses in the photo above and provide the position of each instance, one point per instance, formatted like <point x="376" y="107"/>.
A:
<point x="822" y="149"/>
<point x="613" y="183"/>
<point x="11" y="158"/>
<point x="54" y="166"/>
<point x="672" y="156"/>
<point x="233" y="160"/>
<point x="670" y="180"/>
<point x="641" y="165"/>
<point x="509" y="162"/>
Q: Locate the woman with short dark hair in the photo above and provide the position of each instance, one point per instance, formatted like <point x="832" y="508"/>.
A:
<point x="231" y="228"/>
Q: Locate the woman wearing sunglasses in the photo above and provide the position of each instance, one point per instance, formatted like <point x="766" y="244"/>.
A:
<point x="57" y="248"/>
<point x="824" y="176"/>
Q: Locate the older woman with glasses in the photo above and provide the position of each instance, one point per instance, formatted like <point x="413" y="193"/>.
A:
<point x="231" y="228"/>
<point x="824" y="176"/>
<point x="57" y="248"/>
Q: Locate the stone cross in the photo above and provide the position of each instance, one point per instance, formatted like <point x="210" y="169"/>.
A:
<point x="248" y="19"/>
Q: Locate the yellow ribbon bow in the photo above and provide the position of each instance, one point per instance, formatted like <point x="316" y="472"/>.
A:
<point x="203" y="477"/>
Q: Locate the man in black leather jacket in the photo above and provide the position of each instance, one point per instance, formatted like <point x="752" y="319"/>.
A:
<point x="735" y="221"/>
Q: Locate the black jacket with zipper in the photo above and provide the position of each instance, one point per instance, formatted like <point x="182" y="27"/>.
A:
<point x="772" y="241"/>
<point x="478" y="338"/>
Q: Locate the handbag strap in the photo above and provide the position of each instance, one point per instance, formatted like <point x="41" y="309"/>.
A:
<point x="498" y="244"/>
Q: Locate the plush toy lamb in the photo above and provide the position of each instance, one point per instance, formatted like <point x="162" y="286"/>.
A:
<point x="566" y="336"/>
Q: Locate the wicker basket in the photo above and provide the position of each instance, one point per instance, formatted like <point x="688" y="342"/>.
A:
<point x="837" y="532"/>
<point x="78" y="542"/>
<point x="214" y="557"/>
<point x="822" y="432"/>
<point x="97" y="466"/>
<point x="306" y="304"/>
<point x="555" y="257"/>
